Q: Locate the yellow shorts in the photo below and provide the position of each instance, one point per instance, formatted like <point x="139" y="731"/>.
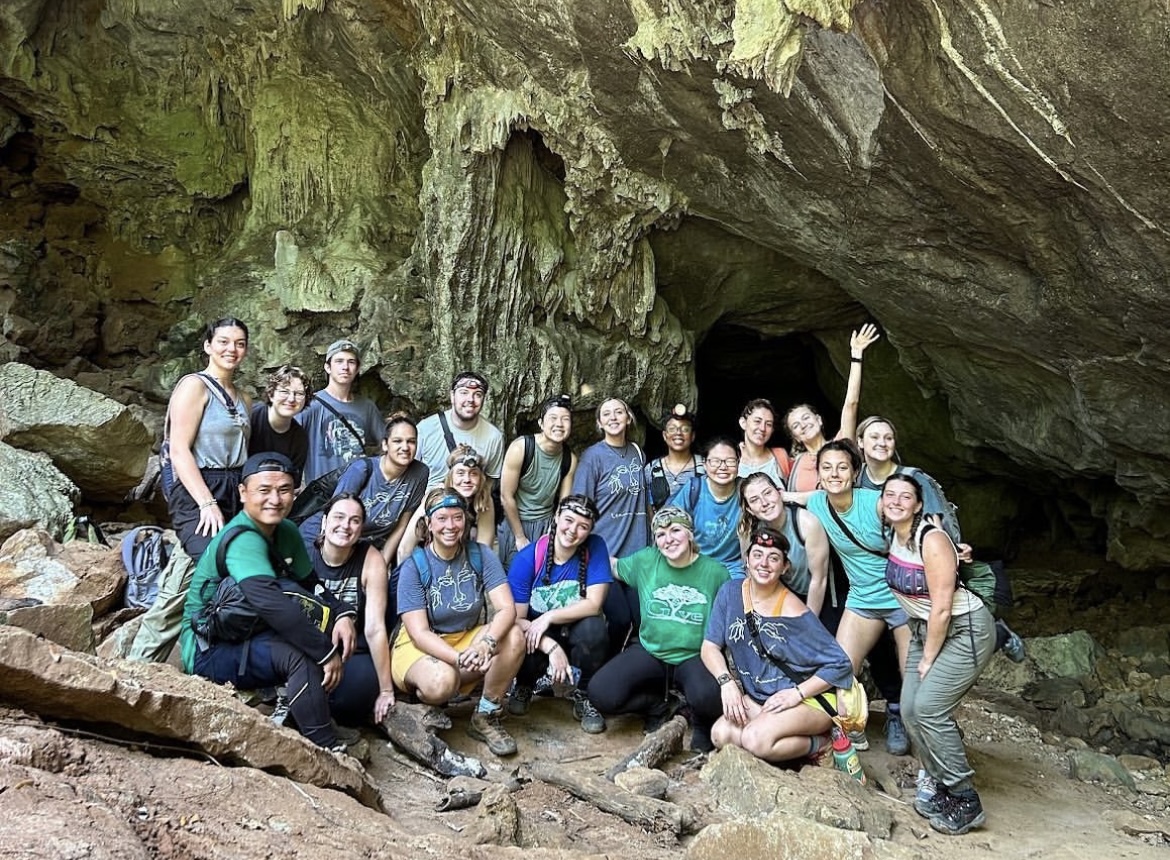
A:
<point x="405" y="654"/>
<point x="830" y="697"/>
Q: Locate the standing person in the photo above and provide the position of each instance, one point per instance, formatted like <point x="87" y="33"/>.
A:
<point x="806" y="570"/>
<point x="441" y="433"/>
<point x="676" y="586"/>
<point x="559" y="583"/>
<point x="340" y="425"/>
<point x="290" y="649"/>
<point x="852" y="520"/>
<point x="538" y="470"/>
<point x="666" y="474"/>
<point x="273" y="428"/>
<point x="390" y="487"/>
<point x="951" y="643"/>
<point x="443" y="647"/>
<point x="806" y="427"/>
<point x="788" y="660"/>
<point x="611" y="473"/>
<point x="713" y="504"/>
<point x="352" y="569"/>
<point x="465" y="478"/>
<point x="757" y="421"/>
<point x="878" y="439"/>
<point x="207" y="438"/>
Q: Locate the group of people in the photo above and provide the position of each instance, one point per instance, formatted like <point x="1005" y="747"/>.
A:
<point x="705" y="582"/>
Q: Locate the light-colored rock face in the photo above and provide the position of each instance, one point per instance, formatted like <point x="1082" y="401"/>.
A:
<point x="564" y="193"/>
<point x="33" y="493"/>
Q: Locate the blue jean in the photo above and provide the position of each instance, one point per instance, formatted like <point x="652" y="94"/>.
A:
<point x="928" y="704"/>
<point x="266" y="660"/>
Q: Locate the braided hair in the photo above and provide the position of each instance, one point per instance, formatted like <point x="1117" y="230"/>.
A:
<point x="582" y="506"/>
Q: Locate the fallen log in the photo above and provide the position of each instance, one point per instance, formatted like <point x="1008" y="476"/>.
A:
<point x="655" y="815"/>
<point x="655" y="748"/>
<point x="411" y="727"/>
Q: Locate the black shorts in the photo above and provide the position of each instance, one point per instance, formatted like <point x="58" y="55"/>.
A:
<point x="224" y="485"/>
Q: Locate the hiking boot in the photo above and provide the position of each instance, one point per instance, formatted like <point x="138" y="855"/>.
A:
<point x="662" y="712"/>
<point x="486" y="727"/>
<point x="1013" y="647"/>
<point x="592" y="722"/>
<point x="962" y="812"/>
<point x="859" y="740"/>
<point x="930" y="805"/>
<point x="519" y="700"/>
<point x="897" y="743"/>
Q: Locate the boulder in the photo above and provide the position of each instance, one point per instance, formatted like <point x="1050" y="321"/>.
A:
<point x="747" y="787"/>
<point x="1090" y="766"/>
<point x="32" y="565"/>
<point x="646" y="781"/>
<point x="156" y="700"/>
<point x="99" y="443"/>
<point x="791" y="837"/>
<point x="33" y="493"/>
<point x="1048" y="694"/>
<point x="1143" y="640"/>
<point x="1069" y="655"/>
<point x="68" y="624"/>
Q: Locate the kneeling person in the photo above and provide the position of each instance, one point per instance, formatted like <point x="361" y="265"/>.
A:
<point x="559" y="583"/>
<point x="292" y="651"/>
<point x="443" y="647"/>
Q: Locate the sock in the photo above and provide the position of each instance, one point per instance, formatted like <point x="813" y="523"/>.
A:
<point x="815" y="744"/>
<point x="894" y="708"/>
<point x="487" y="706"/>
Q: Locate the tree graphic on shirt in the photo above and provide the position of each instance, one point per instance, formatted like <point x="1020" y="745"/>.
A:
<point x="676" y="603"/>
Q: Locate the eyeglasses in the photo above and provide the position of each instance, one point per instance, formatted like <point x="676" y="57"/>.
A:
<point x="287" y="394"/>
<point x="724" y="461"/>
<point x="679" y="428"/>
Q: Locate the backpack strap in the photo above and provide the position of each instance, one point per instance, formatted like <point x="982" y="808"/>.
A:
<point x="419" y="556"/>
<point x="844" y="528"/>
<point x="541" y="552"/>
<point x="357" y="436"/>
<point x="279" y="567"/>
<point x="213" y="383"/>
<point x="694" y="488"/>
<point x="566" y="461"/>
<point x="529" y="453"/>
<point x="448" y="436"/>
<point x="783" y="462"/>
<point x="659" y="486"/>
<point x="582" y="566"/>
<point x="794" y="515"/>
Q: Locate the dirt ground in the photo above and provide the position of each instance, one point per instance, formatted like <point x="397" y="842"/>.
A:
<point x="66" y="793"/>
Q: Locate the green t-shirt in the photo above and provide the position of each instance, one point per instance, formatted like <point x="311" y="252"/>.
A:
<point x="247" y="556"/>
<point x="675" y="601"/>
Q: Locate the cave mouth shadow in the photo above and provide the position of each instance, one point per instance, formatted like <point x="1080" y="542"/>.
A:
<point x="735" y="364"/>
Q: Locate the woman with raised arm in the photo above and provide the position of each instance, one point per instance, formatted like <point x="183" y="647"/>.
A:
<point x="806" y="427"/>
<point x="354" y="571"/>
<point x="952" y="638"/>
<point x="785" y="661"/>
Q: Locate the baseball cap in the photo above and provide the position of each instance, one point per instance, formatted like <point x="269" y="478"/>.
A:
<point x="342" y="345"/>
<point x="267" y="461"/>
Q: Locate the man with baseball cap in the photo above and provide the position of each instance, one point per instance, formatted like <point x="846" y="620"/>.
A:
<point x="340" y="425"/>
<point x="289" y="648"/>
<point x="462" y="424"/>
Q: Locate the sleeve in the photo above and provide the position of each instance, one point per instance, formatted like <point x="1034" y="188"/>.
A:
<point x="300" y="450"/>
<point x="375" y="428"/>
<point x="717" y="621"/>
<point x="584" y="481"/>
<point x="282" y="615"/>
<point x="432" y="449"/>
<point x="598" y="571"/>
<point x="410" y="590"/>
<point x="356" y="476"/>
<point x="630" y="567"/>
<point x="522" y="573"/>
<point x="418" y="488"/>
<point x="493" y="570"/>
<point x="494" y="457"/>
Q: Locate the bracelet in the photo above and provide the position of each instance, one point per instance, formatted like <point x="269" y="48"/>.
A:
<point x="854" y="360"/>
<point x="208" y="504"/>
<point x="491" y="641"/>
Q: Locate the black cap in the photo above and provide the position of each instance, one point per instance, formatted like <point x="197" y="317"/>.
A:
<point x="267" y="461"/>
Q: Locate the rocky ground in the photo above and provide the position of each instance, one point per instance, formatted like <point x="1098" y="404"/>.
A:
<point x="67" y="791"/>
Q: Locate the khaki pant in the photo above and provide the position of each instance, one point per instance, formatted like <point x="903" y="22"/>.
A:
<point x="159" y="627"/>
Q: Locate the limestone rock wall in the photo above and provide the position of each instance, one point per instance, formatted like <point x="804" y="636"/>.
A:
<point x="567" y="193"/>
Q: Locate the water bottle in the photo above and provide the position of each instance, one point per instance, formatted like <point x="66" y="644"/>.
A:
<point x="845" y="756"/>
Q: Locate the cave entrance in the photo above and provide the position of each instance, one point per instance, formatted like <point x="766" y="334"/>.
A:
<point x="735" y="364"/>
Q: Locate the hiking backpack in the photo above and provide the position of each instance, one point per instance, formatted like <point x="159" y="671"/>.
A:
<point x="145" y="554"/>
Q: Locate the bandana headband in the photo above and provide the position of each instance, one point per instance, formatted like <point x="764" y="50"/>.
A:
<point x="450" y="500"/>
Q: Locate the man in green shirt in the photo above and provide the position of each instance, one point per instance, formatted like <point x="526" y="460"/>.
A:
<point x="291" y="650"/>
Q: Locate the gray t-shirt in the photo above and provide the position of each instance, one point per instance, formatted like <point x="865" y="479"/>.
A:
<point x="386" y="502"/>
<point x="613" y="478"/>
<point x="486" y="438"/>
<point x="331" y="444"/>
<point x="456" y="595"/>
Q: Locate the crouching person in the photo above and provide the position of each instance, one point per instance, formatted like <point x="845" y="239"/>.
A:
<point x="444" y="646"/>
<point x="289" y="649"/>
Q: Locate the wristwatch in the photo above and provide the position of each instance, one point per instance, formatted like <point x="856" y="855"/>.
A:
<point x="723" y="679"/>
